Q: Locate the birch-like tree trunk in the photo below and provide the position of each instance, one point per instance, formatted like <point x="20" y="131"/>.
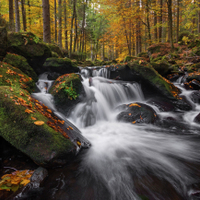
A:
<point x="17" y="19"/>
<point x="11" y="16"/>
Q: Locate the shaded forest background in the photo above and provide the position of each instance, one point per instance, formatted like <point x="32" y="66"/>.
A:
<point x="104" y="29"/>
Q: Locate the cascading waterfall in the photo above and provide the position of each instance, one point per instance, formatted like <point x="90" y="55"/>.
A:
<point x="124" y="157"/>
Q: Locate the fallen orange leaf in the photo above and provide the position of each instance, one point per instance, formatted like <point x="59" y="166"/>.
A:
<point x="33" y="118"/>
<point x="28" y="111"/>
<point x="39" y="123"/>
<point x="1" y="76"/>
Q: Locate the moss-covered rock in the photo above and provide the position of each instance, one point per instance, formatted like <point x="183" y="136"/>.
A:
<point x="152" y="81"/>
<point x="41" y="143"/>
<point x="67" y="91"/>
<point x="29" y="46"/>
<point x="3" y="42"/>
<point x="88" y="63"/>
<point x="56" y="49"/>
<point x="54" y="54"/>
<point x="21" y="63"/>
<point x="143" y="54"/>
<point x="60" y="66"/>
<point x="162" y="67"/>
<point x="15" y="78"/>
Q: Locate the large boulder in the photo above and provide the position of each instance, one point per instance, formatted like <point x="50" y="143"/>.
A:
<point x="3" y="42"/>
<point x="21" y="63"/>
<point x="24" y="123"/>
<point x="137" y="113"/>
<point x="31" y="47"/>
<point x="67" y="91"/>
<point x="30" y="126"/>
<point x="59" y="66"/>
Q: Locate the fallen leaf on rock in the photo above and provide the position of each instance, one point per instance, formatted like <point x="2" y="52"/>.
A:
<point x="133" y="122"/>
<point x="79" y="144"/>
<point x="28" y="111"/>
<point x="33" y="118"/>
<point x="1" y="76"/>
<point x="39" y="123"/>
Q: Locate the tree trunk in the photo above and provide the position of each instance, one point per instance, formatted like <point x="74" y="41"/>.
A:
<point x="46" y="21"/>
<point x="155" y="23"/>
<point x="23" y="14"/>
<point x="17" y="19"/>
<point x="11" y="15"/>
<point x="75" y="23"/>
<point x="55" y="21"/>
<point x="177" y="21"/>
<point x="83" y="25"/>
<point x="29" y="15"/>
<point x="148" y="23"/>
<point x="65" y="18"/>
<point x="199" y="16"/>
<point x="60" y="23"/>
<point x="160" y="21"/>
<point x="170" y="29"/>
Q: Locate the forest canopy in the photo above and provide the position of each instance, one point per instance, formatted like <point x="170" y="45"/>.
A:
<point x="104" y="29"/>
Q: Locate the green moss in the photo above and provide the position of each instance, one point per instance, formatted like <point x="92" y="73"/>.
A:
<point x="143" y="54"/>
<point x="15" y="78"/>
<point x="16" y="126"/>
<point x="54" y="54"/>
<point x="56" y="49"/>
<point x="64" y="85"/>
<point x="58" y="62"/>
<point x="21" y="63"/>
<point x="27" y="45"/>
<point x="154" y="78"/>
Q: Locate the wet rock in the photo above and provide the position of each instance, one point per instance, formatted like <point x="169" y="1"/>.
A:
<point x="3" y="42"/>
<point x="137" y="113"/>
<point x="192" y="76"/>
<point x="197" y="119"/>
<point x="195" y="97"/>
<point x="60" y="66"/>
<point x="31" y="47"/>
<point x="32" y="190"/>
<point x="192" y="85"/>
<point x="67" y="91"/>
<point x="162" y="67"/>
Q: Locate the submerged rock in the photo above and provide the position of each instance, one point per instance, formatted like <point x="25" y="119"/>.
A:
<point x="137" y="113"/>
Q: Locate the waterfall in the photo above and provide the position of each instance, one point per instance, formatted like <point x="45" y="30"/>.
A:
<point x="127" y="160"/>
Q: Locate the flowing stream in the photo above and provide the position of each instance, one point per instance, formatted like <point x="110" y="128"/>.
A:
<point x="126" y="161"/>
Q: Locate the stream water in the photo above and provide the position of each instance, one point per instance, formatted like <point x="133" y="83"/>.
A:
<point x="126" y="161"/>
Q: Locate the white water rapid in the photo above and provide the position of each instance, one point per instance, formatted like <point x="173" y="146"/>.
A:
<point x="123" y="156"/>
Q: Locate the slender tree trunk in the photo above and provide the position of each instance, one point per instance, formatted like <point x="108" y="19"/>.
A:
<point x="177" y="21"/>
<point x="55" y="21"/>
<point x="65" y="19"/>
<point x="11" y="15"/>
<point x="160" y="21"/>
<point x="83" y="24"/>
<point x="71" y="32"/>
<point x="29" y="14"/>
<point x="155" y="23"/>
<point x="103" y="51"/>
<point x="23" y="14"/>
<point x="46" y="21"/>
<point x="17" y="19"/>
<point x="75" y="23"/>
<point x="60" y="23"/>
<point x="199" y="16"/>
<point x="148" y="23"/>
<point x="170" y="30"/>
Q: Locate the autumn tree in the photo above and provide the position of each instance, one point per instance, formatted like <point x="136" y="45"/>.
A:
<point x="11" y="15"/>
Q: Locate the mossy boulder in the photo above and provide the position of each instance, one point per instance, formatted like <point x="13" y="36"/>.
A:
<point x="88" y="63"/>
<point x="56" y="49"/>
<point x="21" y="63"/>
<point x="67" y="91"/>
<point x="143" y="54"/>
<point x="137" y="113"/>
<point x="15" y="78"/>
<point x="40" y="142"/>
<point x="60" y="66"/>
<point x="3" y="42"/>
<point x="31" y="47"/>
<point x="162" y="67"/>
